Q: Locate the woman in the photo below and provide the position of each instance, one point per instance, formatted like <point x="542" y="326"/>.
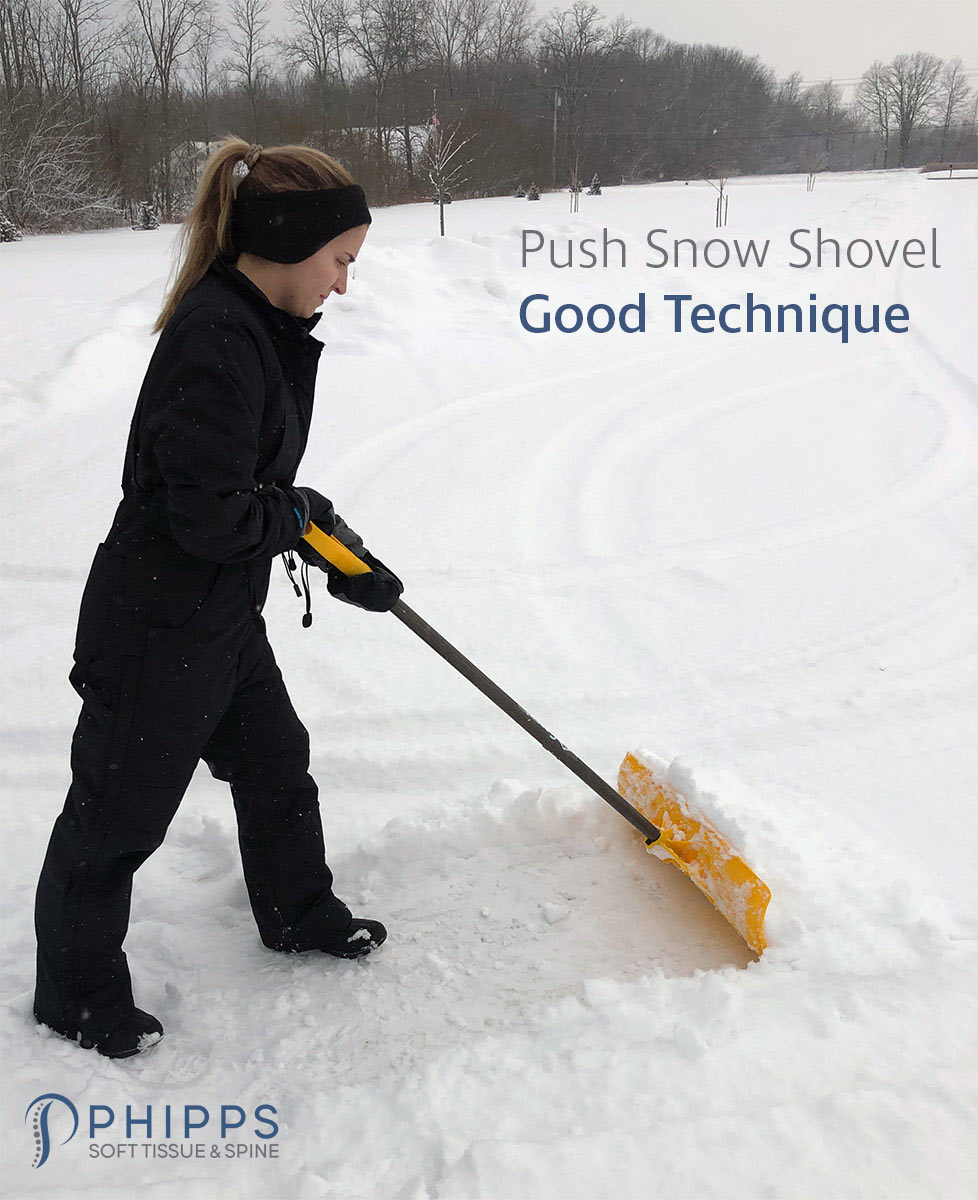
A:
<point x="171" y="657"/>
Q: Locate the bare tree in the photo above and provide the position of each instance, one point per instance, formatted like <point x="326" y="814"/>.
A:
<point x="438" y="161"/>
<point x="873" y="98"/>
<point x="719" y="185"/>
<point x="574" y="45"/>
<point x="370" y="41"/>
<point x="249" y="20"/>
<point x="508" y="32"/>
<point x="45" y="169"/>
<point x="493" y="35"/>
<point x="645" y="45"/>
<point x="13" y="59"/>
<point x="389" y="38"/>
<point x="207" y="35"/>
<point x="912" y="81"/>
<point x="127" y="122"/>
<point x="789" y="90"/>
<point x="411" y="50"/>
<point x="448" y="27"/>
<point x="89" y="41"/>
<point x="29" y="49"/>
<point x="953" y="92"/>
<point x="167" y="26"/>
<point x="824" y="102"/>
<point x="474" y="36"/>
<point x="317" y="36"/>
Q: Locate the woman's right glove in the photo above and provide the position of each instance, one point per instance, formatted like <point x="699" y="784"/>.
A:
<point x="377" y="591"/>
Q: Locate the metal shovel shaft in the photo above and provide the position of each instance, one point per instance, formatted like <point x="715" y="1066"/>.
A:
<point x="519" y="714"/>
<point x="333" y="550"/>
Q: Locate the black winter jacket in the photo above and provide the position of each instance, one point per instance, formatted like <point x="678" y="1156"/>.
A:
<point x="219" y="428"/>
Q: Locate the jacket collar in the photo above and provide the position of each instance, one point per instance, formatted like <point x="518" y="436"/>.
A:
<point x="293" y="328"/>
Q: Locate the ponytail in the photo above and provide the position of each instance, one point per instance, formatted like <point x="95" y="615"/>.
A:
<point x="206" y="232"/>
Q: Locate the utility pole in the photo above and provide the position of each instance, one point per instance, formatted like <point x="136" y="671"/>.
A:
<point x="553" y="163"/>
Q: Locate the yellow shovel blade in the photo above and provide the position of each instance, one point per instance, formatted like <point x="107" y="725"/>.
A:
<point x="698" y="849"/>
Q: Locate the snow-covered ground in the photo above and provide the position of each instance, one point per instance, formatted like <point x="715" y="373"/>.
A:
<point x="753" y="552"/>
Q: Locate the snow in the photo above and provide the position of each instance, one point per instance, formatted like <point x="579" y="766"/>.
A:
<point x="749" y="558"/>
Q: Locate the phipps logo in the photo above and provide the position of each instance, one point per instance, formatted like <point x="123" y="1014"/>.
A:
<point x="152" y="1131"/>
<point x="38" y="1113"/>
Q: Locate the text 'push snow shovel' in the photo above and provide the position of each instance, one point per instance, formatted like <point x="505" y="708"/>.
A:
<point x="662" y="817"/>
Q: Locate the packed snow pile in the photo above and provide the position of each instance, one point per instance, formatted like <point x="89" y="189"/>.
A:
<point x="750" y="558"/>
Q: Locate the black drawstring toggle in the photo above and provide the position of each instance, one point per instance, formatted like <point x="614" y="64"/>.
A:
<point x="307" y="615"/>
<point x="289" y="561"/>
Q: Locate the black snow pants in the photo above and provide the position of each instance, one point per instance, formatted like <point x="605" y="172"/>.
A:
<point x="173" y="666"/>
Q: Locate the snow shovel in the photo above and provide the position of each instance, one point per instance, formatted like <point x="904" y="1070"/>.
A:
<point x="660" y="813"/>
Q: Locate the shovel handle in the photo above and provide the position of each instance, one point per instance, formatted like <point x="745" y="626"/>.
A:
<point x="336" y="553"/>
<point x="333" y="550"/>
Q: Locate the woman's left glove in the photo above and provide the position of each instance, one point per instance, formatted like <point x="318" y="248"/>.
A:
<point x="315" y="508"/>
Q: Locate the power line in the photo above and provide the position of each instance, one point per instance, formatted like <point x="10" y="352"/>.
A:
<point x="546" y="85"/>
<point x="687" y="135"/>
<point x="858" y="78"/>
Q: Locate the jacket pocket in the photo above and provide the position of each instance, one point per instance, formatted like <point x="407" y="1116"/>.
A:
<point x="101" y="741"/>
<point x="188" y="587"/>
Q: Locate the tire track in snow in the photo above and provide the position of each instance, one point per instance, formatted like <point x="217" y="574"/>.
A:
<point x="604" y="455"/>
<point x="372" y="458"/>
<point x="940" y="475"/>
<point x="568" y="457"/>
<point x="946" y="472"/>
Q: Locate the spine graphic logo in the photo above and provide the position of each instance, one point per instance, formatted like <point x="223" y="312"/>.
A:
<point x="37" y="1114"/>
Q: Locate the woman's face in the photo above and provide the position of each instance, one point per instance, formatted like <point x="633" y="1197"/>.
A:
<point x="317" y="277"/>
<point x="300" y="288"/>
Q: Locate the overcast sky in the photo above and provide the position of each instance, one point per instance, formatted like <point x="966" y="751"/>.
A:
<point x="820" y="38"/>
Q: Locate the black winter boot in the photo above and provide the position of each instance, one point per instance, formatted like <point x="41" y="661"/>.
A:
<point x="137" y="1032"/>
<point x="359" y="939"/>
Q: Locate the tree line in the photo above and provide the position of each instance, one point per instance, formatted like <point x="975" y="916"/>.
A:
<point x="109" y="105"/>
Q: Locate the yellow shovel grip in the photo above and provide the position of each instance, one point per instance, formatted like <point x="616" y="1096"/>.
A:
<point x="333" y="550"/>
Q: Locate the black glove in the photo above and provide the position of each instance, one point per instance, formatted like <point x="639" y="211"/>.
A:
<point x="340" y="530"/>
<point x="316" y="508"/>
<point x="319" y="510"/>
<point x="377" y="591"/>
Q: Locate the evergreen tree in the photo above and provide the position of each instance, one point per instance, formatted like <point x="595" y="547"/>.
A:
<point x="8" y="230"/>
<point x="595" y="188"/>
<point x="147" y="216"/>
<point x="533" y="192"/>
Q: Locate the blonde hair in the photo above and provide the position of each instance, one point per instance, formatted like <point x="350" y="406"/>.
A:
<point x="206" y="231"/>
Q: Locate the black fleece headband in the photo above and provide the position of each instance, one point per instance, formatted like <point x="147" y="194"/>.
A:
<point x="288" y="227"/>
